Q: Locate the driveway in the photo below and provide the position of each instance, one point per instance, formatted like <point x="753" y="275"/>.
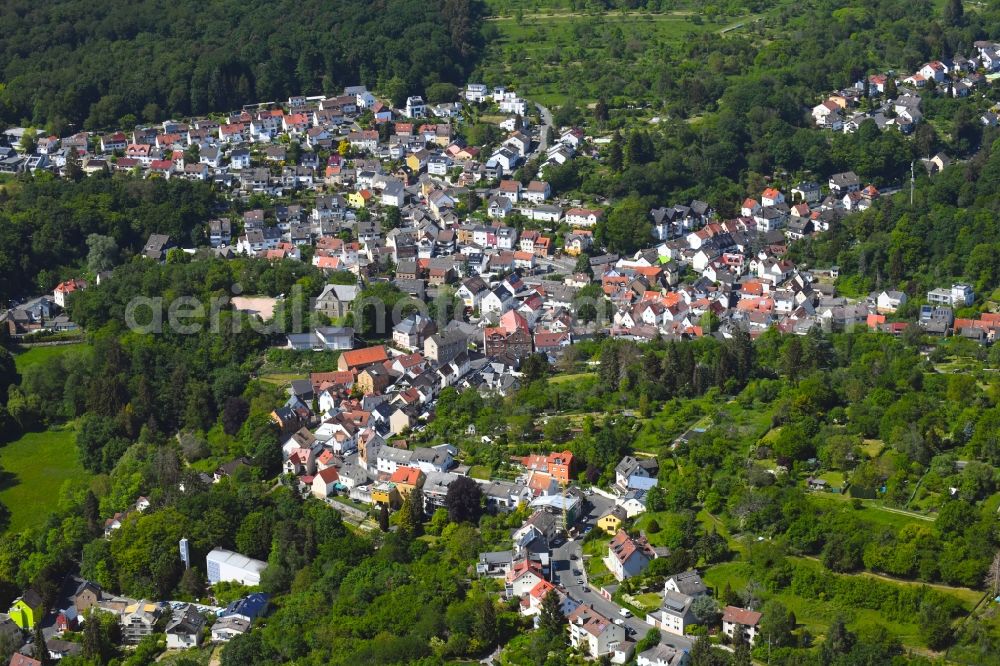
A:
<point x="543" y="132"/>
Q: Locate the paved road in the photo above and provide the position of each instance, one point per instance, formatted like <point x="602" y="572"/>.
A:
<point x="564" y="566"/>
<point x="543" y="132"/>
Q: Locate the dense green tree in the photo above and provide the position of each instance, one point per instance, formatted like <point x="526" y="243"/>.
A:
<point x="464" y="500"/>
<point x="550" y="618"/>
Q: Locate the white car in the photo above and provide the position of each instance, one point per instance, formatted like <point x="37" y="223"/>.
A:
<point x="624" y="612"/>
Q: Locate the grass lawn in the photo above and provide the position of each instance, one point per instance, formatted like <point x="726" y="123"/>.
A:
<point x="835" y="479"/>
<point x="559" y="379"/>
<point x="282" y="378"/>
<point x="871" y="510"/>
<point x="479" y="472"/>
<point x="35" y="355"/>
<point x="34" y="468"/>
<point x="992" y="503"/>
<point x="872" y="448"/>
<point x="649" y="600"/>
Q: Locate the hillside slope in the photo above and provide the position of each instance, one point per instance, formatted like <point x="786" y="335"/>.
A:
<point x="93" y="62"/>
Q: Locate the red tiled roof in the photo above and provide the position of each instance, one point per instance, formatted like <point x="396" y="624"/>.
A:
<point x="329" y="475"/>
<point x="742" y="616"/>
<point x="408" y="475"/>
<point x="366" y="356"/>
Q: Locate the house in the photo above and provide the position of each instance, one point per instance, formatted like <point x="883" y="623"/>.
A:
<point x="960" y="295"/>
<point x="87" y="596"/>
<point x="229" y="627"/>
<point x="740" y="623"/>
<point x="634" y="473"/>
<point x="325" y="482"/>
<point x="156" y="247"/>
<point x="612" y="519"/>
<point x="386" y="494"/>
<point x="806" y="192"/>
<point x="662" y="655"/>
<point x="888" y="302"/>
<point x="335" y="300"/>
<point x="219" y="232"/>
<point x="476" y="92"/>
<point x="674" y="614"/>
<point x="499" y="207"/>
<point x="358" y="359"/>
<point x="522" y="577"/>
<point x="185" y="628"/>
<point x="842" y="183"/>
<point x="583" y="217"/>
<point x="406" y="480"/>
<point x="26" y="610"/>
<point x="538" y="191"/>
<point x="415" y="107"/>
<point x="633" y="502"/>
<point x="628" y="556"/>
<point x="412" y="331"/>
<point x="374" y="379"/>
<point x="510" y="189"/>
<point x="688" y="582"/>
<point x="597" y="635"/>
<point x="18" y="659"/>
<point x="248" y="608"/>
<point x="495" y="564"/>
<point x="557" y="465"/>
<point x="64" y="289"/>
<point x="139" y="620"/>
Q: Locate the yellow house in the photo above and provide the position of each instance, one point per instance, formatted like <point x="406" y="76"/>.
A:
<point x="418" y="160"/>
<point x="386" y="493"/>
<point x="359" y="199"/>
<point x="406" y="480"/>
<point x="612" y="521"/>
<point x="26" y="610"/>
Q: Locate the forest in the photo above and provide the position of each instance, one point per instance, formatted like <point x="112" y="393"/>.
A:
<point x="78" y="64"/>
<point x="50" y="228"/>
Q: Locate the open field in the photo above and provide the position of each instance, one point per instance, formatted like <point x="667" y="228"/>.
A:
<point x="282" y="378"/>
<point x="872" y="510"/>
<point x="33" y="469"/>
<point x="560" y="379"/>
<point x="35" y="355"/>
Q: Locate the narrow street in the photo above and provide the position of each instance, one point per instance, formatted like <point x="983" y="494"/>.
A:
<point x="568" y="558"/>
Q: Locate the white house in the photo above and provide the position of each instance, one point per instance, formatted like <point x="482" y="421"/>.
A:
<point x="889" y="301"/>
<point x="740" y="622"/>
<point x="415" y="107"/>
<point x="185" y="628"/>
<point x="597" y="635"/>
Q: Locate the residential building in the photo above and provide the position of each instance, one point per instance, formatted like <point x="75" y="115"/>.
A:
<point x="674" y="614"/>
<point x="596" y="635"/>
<point x="26" y="610"/>
<point x="740" y="623"/>
<point x="139" y="620"/>
<point x="628" y="556"/>
<point x="663" y="655"/>
<point x="185" y="628"/>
